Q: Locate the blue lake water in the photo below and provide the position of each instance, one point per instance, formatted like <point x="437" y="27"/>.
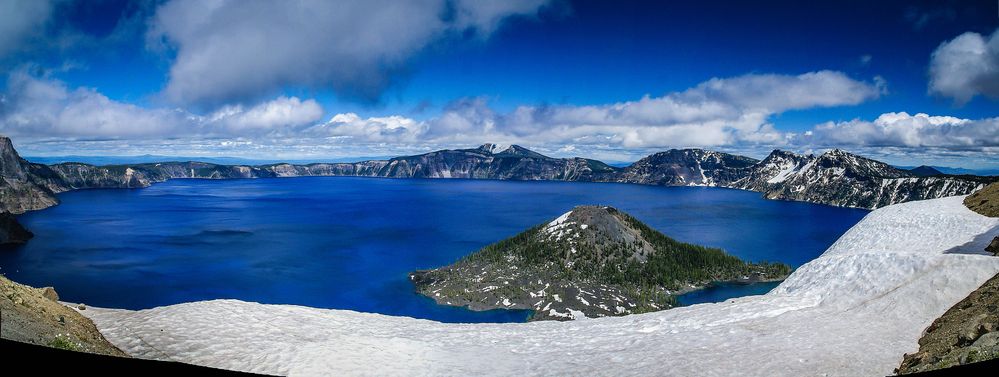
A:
<point x="348" y="243"/>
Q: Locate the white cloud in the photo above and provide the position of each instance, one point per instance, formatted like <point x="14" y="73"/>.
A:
<point x="278" y="113"/>
<point x="230" y="50"/>
<point x="717" y="112"/>
<point x="394" y="128"/>
<point x="38" y="107"/>
<point x="19" y="19"/>
<point x="908" y="131"/>
<point x="965" y="67"/>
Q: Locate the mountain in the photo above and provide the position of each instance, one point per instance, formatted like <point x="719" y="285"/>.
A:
<point x="843" y="179"/>
<point x="491" y="162"/>
<point x="835" y="177"/>
<point x="924" y="171"/>
<point x="24" y="186"/>
<point x="686" y="167"/>
<point x="591" y="261"/>
<point x="958" y="171"/>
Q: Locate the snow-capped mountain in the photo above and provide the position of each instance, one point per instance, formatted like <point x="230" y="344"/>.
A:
<point x="686" y="167"/>
<point x="844" y="179"/>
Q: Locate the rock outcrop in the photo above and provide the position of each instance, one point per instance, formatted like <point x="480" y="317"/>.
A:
<point x="968" y="332"/>
<point x="33" y="315"/>
<point x="11" y="231"/>
<point x="985" y="201"/>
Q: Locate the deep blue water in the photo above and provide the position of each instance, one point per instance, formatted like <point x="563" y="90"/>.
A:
<point x="348" y="243"/>
<point x="723" y="291"/>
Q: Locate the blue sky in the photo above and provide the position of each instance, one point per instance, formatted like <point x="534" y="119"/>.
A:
<point x="333" y="79"/>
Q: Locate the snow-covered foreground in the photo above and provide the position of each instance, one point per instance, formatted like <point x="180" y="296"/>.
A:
<point x="851" y="312"/>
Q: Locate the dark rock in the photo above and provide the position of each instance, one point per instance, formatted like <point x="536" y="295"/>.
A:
<point x="11" y="231"/>
<point x="993" y="246"/>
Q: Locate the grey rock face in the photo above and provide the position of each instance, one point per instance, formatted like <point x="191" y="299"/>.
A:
<point x="23" y="186"/>
<point x="842" y="179"/>
<point x="686" y="167"/>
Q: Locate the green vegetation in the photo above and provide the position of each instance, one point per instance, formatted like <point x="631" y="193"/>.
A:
<point x="671" y="265"/>
<point x="63" y="342"/>
<point x="597" y="260"/>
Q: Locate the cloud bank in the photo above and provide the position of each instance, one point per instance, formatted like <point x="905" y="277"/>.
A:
<point x="229" y="51"/>
<point x="36" y="107"/>
<point x="714" y="113"/>
<point x="902" y="130"/>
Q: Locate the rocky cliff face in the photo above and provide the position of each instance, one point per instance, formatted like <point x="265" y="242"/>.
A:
<point x="686" y="167"/>
<point x="489" y="162"/>
<point x="843" y="179"/>
<point x="23" y="186"/>
<point x="591" y="261"/>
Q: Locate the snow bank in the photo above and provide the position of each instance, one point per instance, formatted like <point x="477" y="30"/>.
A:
<point x="851" y="312"/>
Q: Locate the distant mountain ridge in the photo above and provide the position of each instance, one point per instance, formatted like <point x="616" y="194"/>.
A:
<point x="835" y="177"/>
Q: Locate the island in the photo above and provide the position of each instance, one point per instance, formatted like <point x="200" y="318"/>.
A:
<point x="593" y="261"/>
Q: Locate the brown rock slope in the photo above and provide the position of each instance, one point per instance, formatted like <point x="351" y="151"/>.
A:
<point x="34" y="315"/>
<point x="985" y="201"/>
<point x="969" y="331"/>
<point x="965" y="334"/>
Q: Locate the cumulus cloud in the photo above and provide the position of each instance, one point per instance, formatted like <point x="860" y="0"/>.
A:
<point x="19" y="19"/>
<point x="717" y="112"/>
<point x="965" y="67"/>
<point x="277" y="113"/>
<point x="397" y="129"/>
<point x="230" y="50"/>
<point x="41" y="107"/>
<point x="902" y="130"/>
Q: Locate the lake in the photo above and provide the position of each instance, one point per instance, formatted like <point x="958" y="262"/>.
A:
<point x="348" y="243"/>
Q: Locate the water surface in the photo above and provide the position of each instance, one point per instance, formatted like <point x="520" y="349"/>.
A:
<point x="348" y="243"/>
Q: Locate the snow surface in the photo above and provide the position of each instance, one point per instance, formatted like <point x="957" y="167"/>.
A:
<point x="851" y="312"/>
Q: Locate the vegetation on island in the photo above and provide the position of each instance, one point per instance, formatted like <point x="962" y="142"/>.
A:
<point x="616" y="264"/>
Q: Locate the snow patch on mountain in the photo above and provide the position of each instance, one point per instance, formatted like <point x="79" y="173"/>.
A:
<point x="853" y="311"/>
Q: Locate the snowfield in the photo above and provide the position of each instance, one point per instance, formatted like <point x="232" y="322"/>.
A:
<point x="851" y="312"/>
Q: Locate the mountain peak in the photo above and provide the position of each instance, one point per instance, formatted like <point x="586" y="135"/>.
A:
<point x="509" y="150"/>
<point x="494" y="148"/>
<point x="11" y="164"/>
<point x="925" y="171"/>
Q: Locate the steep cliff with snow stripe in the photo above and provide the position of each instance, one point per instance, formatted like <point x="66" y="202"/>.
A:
<point x="843" y="179"/>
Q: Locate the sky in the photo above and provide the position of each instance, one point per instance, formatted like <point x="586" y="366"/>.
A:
<point x="908" y="82"/>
